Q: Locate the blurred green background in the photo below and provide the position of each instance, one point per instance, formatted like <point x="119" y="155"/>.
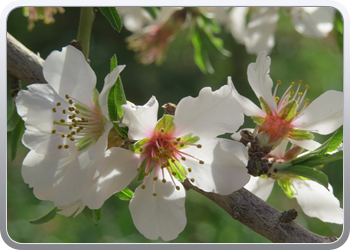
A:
<point x="319" y="63"/>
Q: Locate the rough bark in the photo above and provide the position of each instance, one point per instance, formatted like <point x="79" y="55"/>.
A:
<point x="241" y="205"/>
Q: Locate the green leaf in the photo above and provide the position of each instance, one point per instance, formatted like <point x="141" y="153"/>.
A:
<point x="198" y="53"/>
<point x="13" y="120"/>
<point x="46" y="218"/>
<point x="335" y="140"/>
<point x="125" y="194"/>
<point x="338" y="30"/>
<point x="299" y="134"/>
<point x="307" y="172"/>
<point x="322" y="160"/>
<point x="16" y="136"/>
<point x="117" y="98"/>
<point x="153" y="11"/>
<point x="113" y="17"/>
<point x="93" y="215"/>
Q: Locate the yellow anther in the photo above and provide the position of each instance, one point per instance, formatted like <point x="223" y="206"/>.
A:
<point x="70" y="127"/>
<point x="69" y="136"/>
<point x="293" y="83"/>
<point x="144" y="174"/>
<point x="78" y="130"/>
<point x="63" y="136"/>
<point x="72" y="139"/>
<point x="63" y="111"/>
<point x="300" y="81"/>
<point x="321" y="166"/>
<point x="192" y="179"/>
<point x="71" y="109"/>
<point x="141" y="150"/>
<point x="58" y="104"/>
<point x="201" y="162"/>
<point x="72" y="133"/>
<point x="164" y="180"/>
<point x="183" y="158"/>
<point x="62" y="120"/>
<point x="143" y="186"/>
<point x="73" y="120"/>
<point x="177" y="187"/>
<point x="300" y="93"/>
<point x="279" y="82"/>
<point x="138" y="169"/>
<point x="199" y="145"/>
<point x="77" y="111"/>
<point x="307" y="100"/>
<point x="66" y="146"/>
<point x="70" y="102"/>
<point x="307" y="86"/>
<point x="173" y="173"/>
<point x="181" y="144"/>
<point x="291" y="92"/>
<point x="54" y="110"/>
<point x="60" y="146"/>
<point x="277" y="99"/>
<point x="155" y="178"/>
<point x="178" y="139"/>
<point x="67" y="96"/>
<point x="306" y="104"/>
<point x="175" y="143"/>
<point x="162" y="130"/>
<point x="53" y="131"/>
<point x="154" y="194"/>
<point x="189" y="170"/>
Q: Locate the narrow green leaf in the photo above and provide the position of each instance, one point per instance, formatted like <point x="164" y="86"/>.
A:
<point x="125" y="194"/>
<point x="13" y="120"/>
<point x="46" y="218"/>
<point x="113" y="63"/>
<point x="307" y="172"/>
<point x="153" y="11"/>
<point x="336" y="140"/>
<point x="198" y="56"/>
<point x="317" y="161"/>
<point x="93" y="215"/>
<point x="112" y="16"/>
<point x="16" y="136"/>
<point x="119" y="97"/>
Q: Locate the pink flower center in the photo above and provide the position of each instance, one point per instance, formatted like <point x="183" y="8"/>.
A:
<point x="163" y="152"/>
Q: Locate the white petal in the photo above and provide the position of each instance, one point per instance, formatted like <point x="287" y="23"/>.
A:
<point x="260" y="30"/>
<point x="210" y="114"/>
<point x="237" y="18"/>
<point x="116" y="170"/>
<point x="317" y="201"/>
<point x="249" y="108"/>
<point x="98" y="148"/>
<point x="260" y="80"/>
<point x="162" y="215"/>
<point x="59" y="180"/>
<point x="69" y="73"/>
<point x="134" y="18"/>
<point x="141" y="120"/>
<point x="261" y="187"/>
<point x="280" y="149"/>
<point x="314" y="22"/>
<point x="110" y="79"/>
<point x="75" y="209"/>
<point x="224" y="169"/>
<point x="324" y="115"/>
<point x="306" y="144"/>
<point x="165" y="13"/>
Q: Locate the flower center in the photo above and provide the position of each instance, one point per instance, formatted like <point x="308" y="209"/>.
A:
<point x="78" y="125"/>
<point x="164" y="152"/>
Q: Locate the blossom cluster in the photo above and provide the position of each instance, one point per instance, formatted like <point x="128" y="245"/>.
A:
<point x="75" y="162"/>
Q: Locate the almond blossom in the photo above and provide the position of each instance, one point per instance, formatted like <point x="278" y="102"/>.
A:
<point x="314" y="199"/>
<point x="177" y="148"/>
<point x="291" y="116"/>
<point x="258" y="33"/>
<point x="67" y="124"/>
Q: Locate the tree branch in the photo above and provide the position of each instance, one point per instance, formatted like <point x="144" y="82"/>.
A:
<point x="262" y="218"/>
<point x="22" y="63"/>
<point x="241" y="205"/>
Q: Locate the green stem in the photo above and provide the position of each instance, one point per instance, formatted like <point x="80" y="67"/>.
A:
<point x="87" y="16"/>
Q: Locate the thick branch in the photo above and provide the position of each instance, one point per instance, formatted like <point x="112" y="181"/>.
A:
<point x="22" y="63"/>
<point x="259" y="216"/>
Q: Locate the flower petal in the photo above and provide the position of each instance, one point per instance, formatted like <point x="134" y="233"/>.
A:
<point x="69" y="73"/>
<point x="162" y="215"/>
<point x="314" y="22"/>
<point x="60" y="180"/>
<point x="208" y="115"/>
<point x="249" y="108"/>
<point x="224" y="169"/>
<point x="279" y="151"/>
<point x="237" y="18"/>
<point x="98" y="149"/>
<point x="75" y="209"/>
<point x="261" y="187"/>
<point x="141" y="120"/>
<point x="306" y="144"/>
<point x="317" y="201"/>
<point x="324" y="115"/>
<point x="110" y="79"/>
<point x="260" y="80"/>
<point x="116" y="170"/>
<point x="260" y="30"/>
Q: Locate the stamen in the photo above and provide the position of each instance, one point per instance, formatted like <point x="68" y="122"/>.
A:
<point x="67" y="96"/>
<point x="199" y="146"/>
<point x="53" y="131"/>
<point x="201" y="162"/>
<point x="164" y="180"/>
<point x="155" y="178"/>
<point x="58" y="104"/>
<point x="63" y="111"/>
<point x="278" y="83"/>
<point x="62" y="120"/>
<point x="189" y="170"/>
<point x="277" y="99"/>
<point x="70" y="102"/>
<point x="60" y="146"/>
<point x="54" y="110"/>
<point x="143" y="186"/>
<point x="154" y="194"/>
<point x="192" y="179"/>
<point x="177" y="187"/>
<point x="66" y="146"/>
